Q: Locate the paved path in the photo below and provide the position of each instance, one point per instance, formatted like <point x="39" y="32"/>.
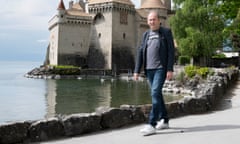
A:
<point x="217" y="127"/>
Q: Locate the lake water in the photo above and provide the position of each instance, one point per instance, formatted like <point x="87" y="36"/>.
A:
<point x="32" y="99"/>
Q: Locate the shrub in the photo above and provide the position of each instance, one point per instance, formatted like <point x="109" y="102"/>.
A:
<point x="65" y="69"/>
<point x="203" y="72"/>
<point x="183" y="60"/>
<point x="221" y="55"/>
<point x="190" y="70"/>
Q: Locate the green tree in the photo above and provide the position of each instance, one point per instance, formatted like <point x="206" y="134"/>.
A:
<point x="233" y="31"/>
<point x="230" y="11"/>
<point x="197" y="29"/>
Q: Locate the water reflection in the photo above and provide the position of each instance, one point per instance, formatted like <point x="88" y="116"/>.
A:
<point x="80" y="96"/>
<point x="51" y="98"/>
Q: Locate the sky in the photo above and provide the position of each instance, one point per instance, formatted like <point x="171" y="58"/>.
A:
<point x="24" y="30"/>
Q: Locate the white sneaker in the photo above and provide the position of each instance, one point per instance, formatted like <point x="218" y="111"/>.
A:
<point x="148" y="130"/>
<point x="161" y="125"/>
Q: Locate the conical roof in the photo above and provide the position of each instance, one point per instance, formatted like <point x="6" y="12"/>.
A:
<point x="152" y="4"/>
<point x="61" y="5"/>
<point x="77" y="6"/>
<point x="77" y="10"/>
<point x="129" y="2"/>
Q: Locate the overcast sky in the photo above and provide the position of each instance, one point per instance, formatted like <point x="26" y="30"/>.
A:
<point x="24" y="28"/>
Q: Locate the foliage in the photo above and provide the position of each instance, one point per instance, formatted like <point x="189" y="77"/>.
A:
<point x="230" y="11"/>
<point x="184" y="60"/>
<point x="220" y="55"/>
<point x="197" y="29"/>
<point x="203" y="72"/>
<point x="236" y="40"/>
<point x="63" y="66"/>
<point x="192" y="71"/>
<point x="65" y="70"/>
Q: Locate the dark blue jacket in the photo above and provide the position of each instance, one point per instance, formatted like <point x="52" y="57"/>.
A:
<point x="166" y="50"/>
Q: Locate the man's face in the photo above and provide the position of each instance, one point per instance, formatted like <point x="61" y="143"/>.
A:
<point x="153" y="21"/>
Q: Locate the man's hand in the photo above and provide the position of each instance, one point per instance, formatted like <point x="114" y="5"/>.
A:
<point x="169" y="75"/>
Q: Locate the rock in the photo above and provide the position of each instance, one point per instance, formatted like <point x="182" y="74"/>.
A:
<point x="195" y="105"/>
<point x="174" y="109"/>
<point x="137" y="115"/>
<point x="115" y="118"/>
<point x="46" y="130"/>
<point x="14" y="132"/>
<point x="146" y="109"/>
<point x="77" y="124"/>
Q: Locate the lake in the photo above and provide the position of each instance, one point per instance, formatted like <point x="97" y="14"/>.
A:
<point x="32" y="99"/>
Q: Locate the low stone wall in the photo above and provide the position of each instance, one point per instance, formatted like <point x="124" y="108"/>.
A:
<point x="205" y="98"/>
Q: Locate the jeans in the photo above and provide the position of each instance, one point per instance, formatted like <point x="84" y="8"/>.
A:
<point x="156" y="78"/>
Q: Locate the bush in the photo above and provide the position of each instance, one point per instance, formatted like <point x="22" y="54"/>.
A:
<point x="64" y="67"/>
<point x="221" y="55"/>
<point x="190" y="70"/>
<point x="183" y="60"/>
<point x="65" y="70"/>
<point x="203" y="72"/>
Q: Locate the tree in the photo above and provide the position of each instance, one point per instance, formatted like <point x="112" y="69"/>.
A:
<point x="197" y="29"/>
<point x="230" y="11"/>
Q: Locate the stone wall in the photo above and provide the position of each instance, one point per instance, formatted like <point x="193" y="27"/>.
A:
<point x="205" y="98"/>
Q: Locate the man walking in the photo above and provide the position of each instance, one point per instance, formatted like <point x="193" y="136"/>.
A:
<point x="156" y="55"/>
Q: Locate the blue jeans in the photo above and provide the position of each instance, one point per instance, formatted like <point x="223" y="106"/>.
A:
<point x="156" y="78"/>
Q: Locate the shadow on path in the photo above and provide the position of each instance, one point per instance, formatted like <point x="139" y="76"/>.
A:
<point x="173" y="130"/>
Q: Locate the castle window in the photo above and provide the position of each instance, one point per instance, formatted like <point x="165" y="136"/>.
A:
<point x="124" y="35"/>
<point x="99" y="35"/>
<point x="123" y="17"/>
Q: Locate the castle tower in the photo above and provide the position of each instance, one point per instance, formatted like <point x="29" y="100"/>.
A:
<point x="166" y="3"/>
<point x="158" y="5"/>
<point x="113" y="35"/>
<point x="61" y="11"/>
<point x="69" y="35"/>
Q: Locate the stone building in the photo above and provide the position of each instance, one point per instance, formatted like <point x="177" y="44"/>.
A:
<point x="100" y="34"/>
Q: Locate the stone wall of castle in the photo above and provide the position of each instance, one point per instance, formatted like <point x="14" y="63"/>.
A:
<point x="73" y="44"/>
<point x="109" y="41"/>
<point x="124" y="39"/>
<point x="101" y="41"/>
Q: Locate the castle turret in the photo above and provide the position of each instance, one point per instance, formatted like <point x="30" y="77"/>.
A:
<point x="168" y="5"/>
<point x="69" y="35"/>
<point x="61" y="11"/>
<point x="165" y="3"/>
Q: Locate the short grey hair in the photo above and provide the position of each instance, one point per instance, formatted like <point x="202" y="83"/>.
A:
<point x="154" y="11"/>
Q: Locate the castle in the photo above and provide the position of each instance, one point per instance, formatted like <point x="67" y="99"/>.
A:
<point x="100" y="34"/>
